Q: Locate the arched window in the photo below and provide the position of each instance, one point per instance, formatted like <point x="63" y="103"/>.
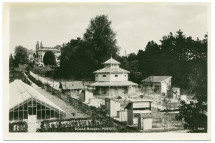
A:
<point x="116" y="75"/>
<point x="104" y="75"/>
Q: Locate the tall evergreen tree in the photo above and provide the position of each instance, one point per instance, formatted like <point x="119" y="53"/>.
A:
<point x="21" y="55"/>
<point x="37" y="45"/>
<point x="41" y="45"/>
<point x="101" y="38"/>
<point x="49" y="59"/>
<point x="11" y="62"/>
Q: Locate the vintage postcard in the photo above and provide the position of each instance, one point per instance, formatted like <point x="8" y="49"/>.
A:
<point x="106" y="71"/>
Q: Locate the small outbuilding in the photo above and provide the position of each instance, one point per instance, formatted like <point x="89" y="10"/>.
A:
<point x="112" y="80"/>
<point x="139" y="114"/>
<point x="157" y="84"/>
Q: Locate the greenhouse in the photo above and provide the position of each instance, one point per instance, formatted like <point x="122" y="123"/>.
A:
<point x="26" y="104"/>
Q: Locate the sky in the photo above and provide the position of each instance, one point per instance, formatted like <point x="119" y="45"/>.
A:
<point x="134" y="24"/>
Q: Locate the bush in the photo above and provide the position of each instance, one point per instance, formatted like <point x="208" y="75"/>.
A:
<point x="78" y="125"/>
<point x="18" y="127"/>
<point x="13" y="75"/>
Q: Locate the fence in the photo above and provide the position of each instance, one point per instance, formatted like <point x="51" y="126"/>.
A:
<point x="44" y="80"/>
<point x="165" y="120"/>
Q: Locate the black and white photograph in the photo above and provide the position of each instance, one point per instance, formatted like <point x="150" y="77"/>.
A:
<point x="106" y="68"/>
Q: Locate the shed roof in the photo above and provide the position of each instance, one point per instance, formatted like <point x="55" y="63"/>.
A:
<point x="135" y="101"/>
<point x="21" y="92"/>
<point x="114" y="83"/>
<point x="123" y="102"/>
<point x="156" y="78"/>
<point x="143" y="115"/>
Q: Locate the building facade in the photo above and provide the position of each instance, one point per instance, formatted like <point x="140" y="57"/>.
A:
<point x="112" y="107"/>
<point x="41" y="51"/>
<point x="30" y="55"/>
<point x="26" y="104"/>
<point x="139" y="114"/>
<point x="112" y="80"/>
<point x="157" y="84"/>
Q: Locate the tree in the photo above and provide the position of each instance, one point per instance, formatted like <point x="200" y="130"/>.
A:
<point x="76" y="57"/>
<point x="11" y="62"/>
<point x="193" y="115"/>
<point x="80" y="57"/>
<point x="101" y="38"/>
<point x="49" y="58"/>
<point x="37" y="45"/>
<point x="21" y="55"/>
<point x="41" y="45"/>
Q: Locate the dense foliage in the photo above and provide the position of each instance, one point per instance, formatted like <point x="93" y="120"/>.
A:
<point x="20" y="126"/>
<point x="179" y="56"/>
<point x="11" y="63"/>
<point x="78" y="125"/>
<point x="21" y="55"/>
<point x="193" y="115"/>
<point x="49" y="58"/>
<point x="37" y="82"/>
<point x="101" y="39"/>
<point x="13" y="75"/>
<point x="80" y="57"/>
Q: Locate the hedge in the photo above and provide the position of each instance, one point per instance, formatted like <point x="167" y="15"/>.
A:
<point x="37" y="82"/>
<point x="20" y="126"/>
<point x="78" y="125"/>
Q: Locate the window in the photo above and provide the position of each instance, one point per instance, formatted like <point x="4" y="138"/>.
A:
<point x="11" y="115"/>
<point x="30" y="110"/>
<point x="25" y="114"/>
<point x="52" y="113"/>
<point x="116" y="75"/>
<point x="43" y="114"/>
<point x="21" y="107"/>
<point x="34" y="110"/>
<point x="104" y="75"/>
<point x="125" y="75"/>
<point x="39" y="115"/>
